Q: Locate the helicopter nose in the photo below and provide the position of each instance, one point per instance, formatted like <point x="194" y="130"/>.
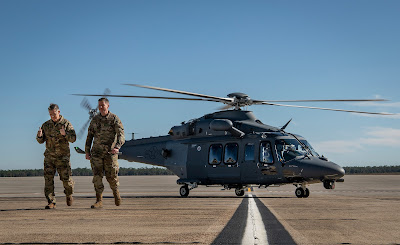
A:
<point x="321" y="169"/>
<point x="334" y="171"/>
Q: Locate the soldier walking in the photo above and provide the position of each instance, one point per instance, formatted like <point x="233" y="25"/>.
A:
<point x="107" y="133"/>
<point x="57" y="133"/>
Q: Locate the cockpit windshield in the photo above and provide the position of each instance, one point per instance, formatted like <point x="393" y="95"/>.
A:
<point x="289" y="149"/>
<point x="313" y="152"/>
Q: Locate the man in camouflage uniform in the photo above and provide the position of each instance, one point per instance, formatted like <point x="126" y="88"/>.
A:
<point x="108" y="133"/>
<point x="57" y="133"/>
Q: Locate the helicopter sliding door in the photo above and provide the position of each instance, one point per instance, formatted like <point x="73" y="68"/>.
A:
<point x="250" y="170"/>
<point x="258" y="165"/>
<point x="223" y="163"/>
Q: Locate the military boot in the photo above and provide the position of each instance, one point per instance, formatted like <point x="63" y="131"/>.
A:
<point x="99" y="201"/>
<point x="50" y="205"/>
<point x="70" y="200"/>
<point x="117" y="197"/>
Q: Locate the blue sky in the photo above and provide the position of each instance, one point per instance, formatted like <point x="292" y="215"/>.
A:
<point x="266" y="49"/>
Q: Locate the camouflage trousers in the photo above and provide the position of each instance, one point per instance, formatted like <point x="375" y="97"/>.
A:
<point x="107" y="164"/>
<point x="63" y="167"/>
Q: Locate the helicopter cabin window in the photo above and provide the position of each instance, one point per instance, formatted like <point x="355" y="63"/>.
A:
<point x="231" y="153"/>
<point x="215" y="154"/>
<point x="266" y="153"/>
<point x="249" y="152"/>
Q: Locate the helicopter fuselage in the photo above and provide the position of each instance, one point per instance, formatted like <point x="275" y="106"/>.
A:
<point x="234" y="149"/>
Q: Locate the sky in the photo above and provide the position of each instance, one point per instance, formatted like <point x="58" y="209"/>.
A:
<point x="270" y="50"/>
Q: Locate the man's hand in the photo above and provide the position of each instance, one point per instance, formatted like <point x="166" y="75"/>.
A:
<point x="115" y="151"/>
<point x="87" y="156"/>
<point x="40" y="132"/>
<point x="62" y="131"/>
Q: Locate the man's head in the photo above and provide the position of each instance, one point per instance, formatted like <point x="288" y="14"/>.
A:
<point x="103" y="106"/>
<point x="54" y="112"/>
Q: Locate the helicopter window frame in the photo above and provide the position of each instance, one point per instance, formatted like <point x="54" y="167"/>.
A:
<point x="235" y="160"/>
<point x="250" y="148"/>
<point x="211" y="149"/>
<point x="261" y="157"/>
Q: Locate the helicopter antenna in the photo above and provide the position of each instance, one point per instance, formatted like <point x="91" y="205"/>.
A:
<point x="284" y="126"/>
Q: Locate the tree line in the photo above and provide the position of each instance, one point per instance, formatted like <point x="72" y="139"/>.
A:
<point x="164" y="171"/>
<point x="373" y="170"/>
<point x="87" y="172"/>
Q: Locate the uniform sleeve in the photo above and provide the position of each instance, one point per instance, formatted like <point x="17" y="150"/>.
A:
<point x="42" y="139"/>
<point x="119" y="129"/>
<point x="70" y="133"/>
<point x="89" y="137"/>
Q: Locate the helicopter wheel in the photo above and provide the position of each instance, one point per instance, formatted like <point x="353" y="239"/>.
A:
<point x="184" y="191"/>
<point x="239" y="192"/>
<point x="306" y="193"/>
<point x="299" y="192"/>
<point x="329" y="185"/>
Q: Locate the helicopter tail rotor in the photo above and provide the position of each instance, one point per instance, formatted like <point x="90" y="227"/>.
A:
<point x="91" y="111"/>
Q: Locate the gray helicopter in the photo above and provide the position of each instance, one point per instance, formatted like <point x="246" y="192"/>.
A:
<point x="234" y="149"/>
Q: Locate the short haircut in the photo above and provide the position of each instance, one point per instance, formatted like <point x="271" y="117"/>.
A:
<point x="105" y="100"/>
<point x="53" y="107"/>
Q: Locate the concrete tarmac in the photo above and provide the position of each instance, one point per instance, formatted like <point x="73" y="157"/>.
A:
<point x="362" y="210"/>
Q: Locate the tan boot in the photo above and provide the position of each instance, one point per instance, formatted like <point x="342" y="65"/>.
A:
<point x="99" y="201"/>
<point x="70" y="200"/>
<point x="50" y="206"/>
<point x="117" y="197"/>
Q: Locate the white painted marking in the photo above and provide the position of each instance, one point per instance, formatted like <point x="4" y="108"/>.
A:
<point x="255" y="232"/>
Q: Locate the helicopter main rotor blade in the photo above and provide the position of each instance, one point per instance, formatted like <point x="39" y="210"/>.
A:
<point x="330" y="109"/>
<point x="220" y="99"/>
<point x="350" y="100"/>
<point x="82" y="130"/>
<point x="106" y="92"/>
<point x="85" y="104"/>
<point x="150" y="97"/>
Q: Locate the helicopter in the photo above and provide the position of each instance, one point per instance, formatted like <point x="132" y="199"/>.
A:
<point x="234" y="149"/>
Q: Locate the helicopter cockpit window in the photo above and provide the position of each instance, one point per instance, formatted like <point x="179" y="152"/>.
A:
<point x="249" y="152"/>
<point x="231" y="153"/>
<point x="289" y="149"/>
<point x="314" y="153"/>
<point x="215" y="154"/>
<point x="266" y="153"/>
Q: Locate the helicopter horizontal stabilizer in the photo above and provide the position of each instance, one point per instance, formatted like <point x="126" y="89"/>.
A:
<point x="79" y="150"/>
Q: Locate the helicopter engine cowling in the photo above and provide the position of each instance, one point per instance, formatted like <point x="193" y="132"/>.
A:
<point x="225" y="125"/>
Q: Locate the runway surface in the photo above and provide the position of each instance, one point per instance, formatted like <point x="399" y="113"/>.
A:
<point x="362" y="210"/>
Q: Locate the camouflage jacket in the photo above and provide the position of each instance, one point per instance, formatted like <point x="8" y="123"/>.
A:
<point x="56" y="143"/>
<point x="108" y="133"/>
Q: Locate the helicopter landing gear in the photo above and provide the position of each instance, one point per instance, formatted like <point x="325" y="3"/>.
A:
<point x="239" y="192"/>
<point x="302" y="191"/>
<point x="329" y="184"/>
<point x="184" y="191"/>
